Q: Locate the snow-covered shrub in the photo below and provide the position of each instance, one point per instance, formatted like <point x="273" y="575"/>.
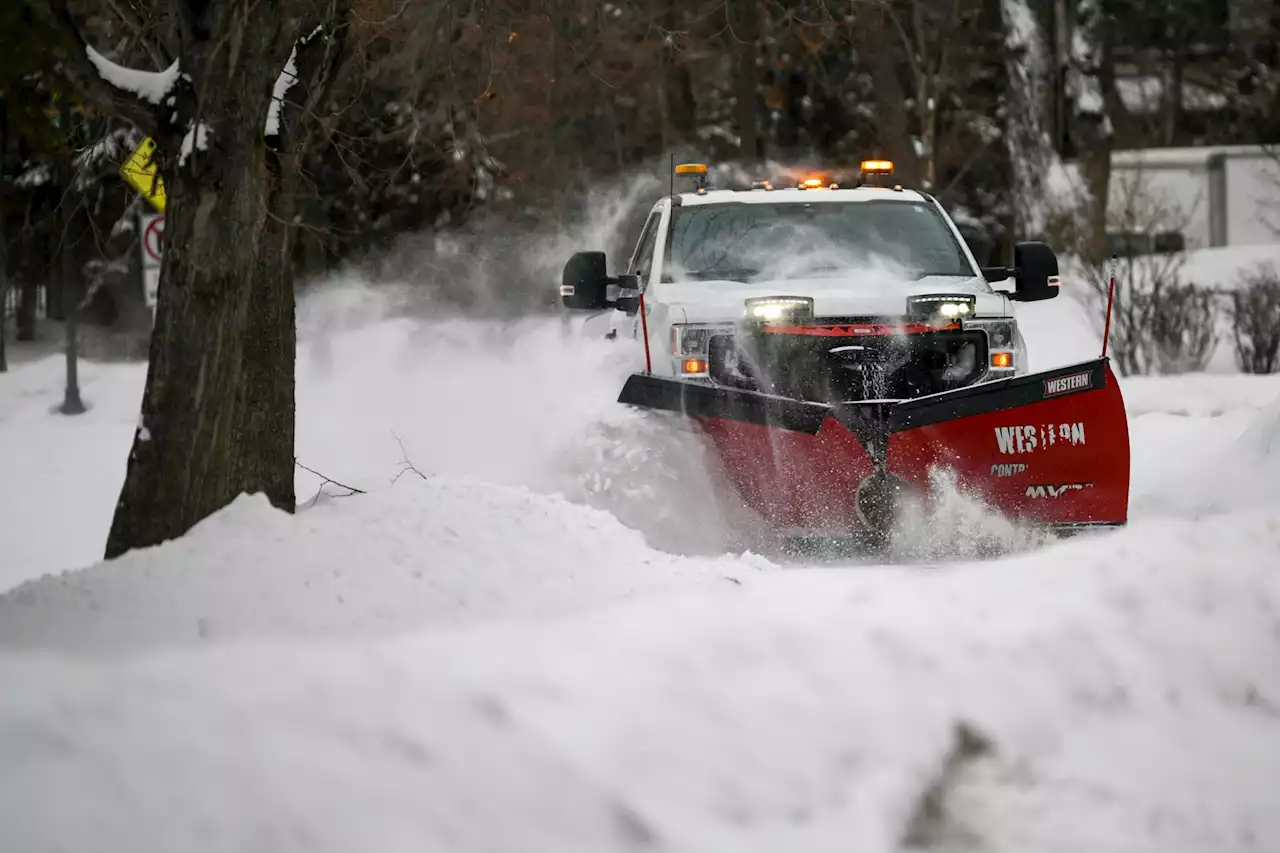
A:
<point x="1255" y="320"/>
<point x="1183" y="328"/>
<point x="1159" y="321"/>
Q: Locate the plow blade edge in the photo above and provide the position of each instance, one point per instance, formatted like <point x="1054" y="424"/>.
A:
<point x="1051" y="448"/>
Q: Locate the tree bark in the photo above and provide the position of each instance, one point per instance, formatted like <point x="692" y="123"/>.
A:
<point x="184" y="463"/>
<point x="267" y="414"/>
<point x="893" y="127"/>
<point x="28" y="296"/>
<point x="4" y="247"/>
<point x="4" y="299"/>
<point x="677" y="85"/>
<point x="744" y="29"/>
<point x="1172" y="89"/>
<point x="1093" y="127"/>
<point x="218" y="409"/>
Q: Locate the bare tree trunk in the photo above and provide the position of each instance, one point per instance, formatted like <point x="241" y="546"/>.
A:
<point x="1173" y="86"/>
<point x="28" y="295"/>
<point x="1095" y="165"/>
<point x="267" y="416"/>
<point x="744" y="29"/>
<point x="894" y="121"/>
<point x="1029" y="146"/>
<point x="1097" y="111"/>
<point x="4" y="246"/>
<point x="677" y="85"/>
<point x="185" y="461"/>
<point x="4" y="298"/>
<point x="217" y="410"/>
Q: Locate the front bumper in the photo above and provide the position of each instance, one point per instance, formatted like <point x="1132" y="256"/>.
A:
<point x="851" y="359"/>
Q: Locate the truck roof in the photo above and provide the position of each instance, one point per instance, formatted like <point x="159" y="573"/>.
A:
<point x="794" y="195"/>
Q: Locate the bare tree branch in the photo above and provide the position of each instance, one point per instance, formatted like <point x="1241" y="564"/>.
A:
<point x="139" y="28"/>
<point x="81" y="70"/>
<point x="326" y="481"/>
<point x="407" y="466"/>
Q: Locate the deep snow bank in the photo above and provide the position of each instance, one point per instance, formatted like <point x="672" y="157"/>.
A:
<point x="1244" y="474"/>
<point x="418" y="554"/>
<point x="1125" y="687"/>
<point x="461" y="665"/>
<point x="524" y="403"/>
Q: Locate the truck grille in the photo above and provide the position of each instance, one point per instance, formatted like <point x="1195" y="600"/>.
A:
<point x="843" y="369"/>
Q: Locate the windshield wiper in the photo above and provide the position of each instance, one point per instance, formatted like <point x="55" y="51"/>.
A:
<point x="728" y="273"/>
<point x="927" y="274"/>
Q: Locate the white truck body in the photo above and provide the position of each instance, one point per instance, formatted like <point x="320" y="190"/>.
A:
<point x="673" y="302"/>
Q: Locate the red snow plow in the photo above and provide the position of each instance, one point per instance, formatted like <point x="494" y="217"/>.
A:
<point x="1049" y="448"/>
<point x="834" y="394"/>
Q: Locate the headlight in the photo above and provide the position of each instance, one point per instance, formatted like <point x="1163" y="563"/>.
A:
<point x="1002" y="337"/>
<point x="690" y="344"/>
<point x="947" y="306"/>
<point x="768" y="309"/>
<point x="1001" y="334"/>
<point x="690" y="340"/>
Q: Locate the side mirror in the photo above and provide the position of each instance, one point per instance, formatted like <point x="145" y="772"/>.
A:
<point x="629" y="293"/>
<point x="1035" y="272"/>
<point x="584" y="285"/>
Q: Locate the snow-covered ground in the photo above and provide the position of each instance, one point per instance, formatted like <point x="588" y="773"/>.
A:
<point x="545" y="642"/>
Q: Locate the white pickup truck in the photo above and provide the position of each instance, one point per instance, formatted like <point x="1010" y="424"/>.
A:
<point x="875" y="276"/>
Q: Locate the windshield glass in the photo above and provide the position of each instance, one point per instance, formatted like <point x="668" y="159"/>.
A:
<point x="745" y="241"/>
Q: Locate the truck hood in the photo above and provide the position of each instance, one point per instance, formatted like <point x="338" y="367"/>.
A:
<point x="717" y="301"/>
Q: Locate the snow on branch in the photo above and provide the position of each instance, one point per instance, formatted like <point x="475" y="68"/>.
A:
<point x="197" y="139"/>
<point x="288" y="77"/>
<point x="284" y="83"/>
<point x="150" y="86"/>
<point x="129" y="94"/>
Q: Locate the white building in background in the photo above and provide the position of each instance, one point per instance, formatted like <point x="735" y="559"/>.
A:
<point x="1227" y="195"/>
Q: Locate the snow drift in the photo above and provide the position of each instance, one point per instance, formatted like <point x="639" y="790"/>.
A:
<point x="1132" y="678"/>
<point x="424" y="553"/>
<point x="510" y="647"/>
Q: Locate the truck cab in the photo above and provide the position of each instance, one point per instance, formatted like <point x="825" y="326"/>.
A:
<point x="876" y="276"/>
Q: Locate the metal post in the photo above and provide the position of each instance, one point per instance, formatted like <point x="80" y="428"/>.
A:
<point x="1216" y="166"/>
<point x="71" y="402"/>
<point x="1111" y="293"/>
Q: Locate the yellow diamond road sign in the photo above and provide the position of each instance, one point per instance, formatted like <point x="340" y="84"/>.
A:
<point x="140" y="172"/>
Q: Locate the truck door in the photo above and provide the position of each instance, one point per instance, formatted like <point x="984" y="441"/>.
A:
<point x="641" y="265"/>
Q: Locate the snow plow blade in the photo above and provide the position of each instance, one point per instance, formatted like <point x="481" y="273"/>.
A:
<point x="1050" y="448"/>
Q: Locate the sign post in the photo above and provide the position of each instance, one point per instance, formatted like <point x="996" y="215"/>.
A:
<point x="151" y="226"/>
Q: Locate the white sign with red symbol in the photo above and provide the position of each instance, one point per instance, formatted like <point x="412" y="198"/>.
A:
<point x="152" y="228"/>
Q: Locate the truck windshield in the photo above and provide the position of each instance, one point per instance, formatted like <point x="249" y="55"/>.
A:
<point x="745" y="241"/>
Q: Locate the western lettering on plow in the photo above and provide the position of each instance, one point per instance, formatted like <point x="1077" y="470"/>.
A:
<point x="1028" y="438"/>
<point x="1064" y="384"/>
